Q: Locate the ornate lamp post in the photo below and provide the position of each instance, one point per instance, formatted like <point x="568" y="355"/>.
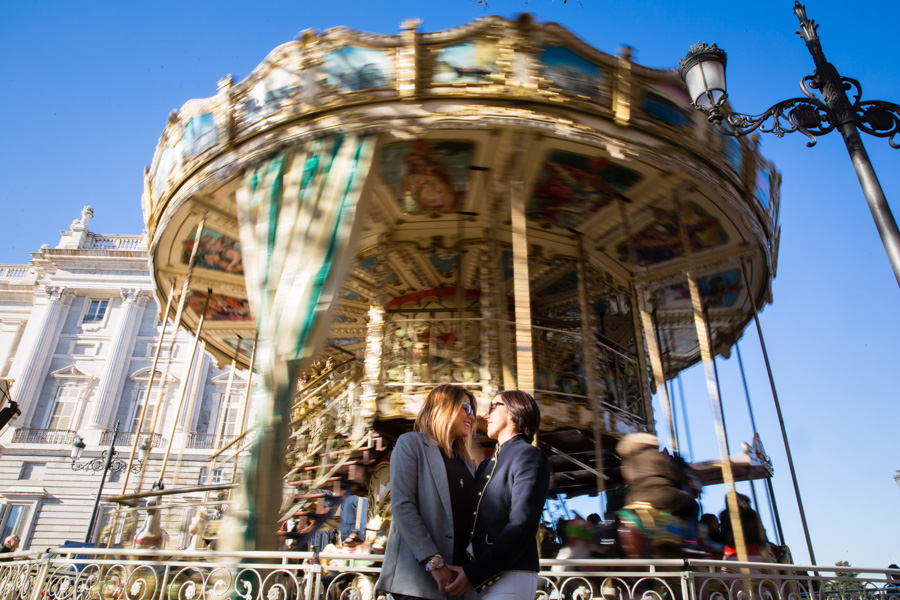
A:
<point x="106" y="462"/>
<point x="703" y="71"/>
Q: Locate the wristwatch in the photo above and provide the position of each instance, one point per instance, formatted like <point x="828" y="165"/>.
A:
<point x="434" y="563"/>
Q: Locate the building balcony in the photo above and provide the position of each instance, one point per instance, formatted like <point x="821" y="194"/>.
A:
<point x="126" y="438"/>
<point x="27" y="435"/>
<point x="208" y="441"/>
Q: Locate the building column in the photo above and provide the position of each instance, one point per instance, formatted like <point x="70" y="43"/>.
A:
<point x="39" y="340"/>
<point x="118" y="358"/>
<point x="9" y="338"/>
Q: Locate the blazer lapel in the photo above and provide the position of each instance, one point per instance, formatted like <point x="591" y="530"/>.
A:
<point x="439" y="474"/>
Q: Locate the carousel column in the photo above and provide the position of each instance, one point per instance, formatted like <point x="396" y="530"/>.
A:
<point x="588" y="360"/>
<point x="120" y="349"/>
<point x="521" y="290"/>
<point x="490" y="332"/>
<point x="659" y="375"/>
<point x="372" y="388"/>
<point x="42" y="334"/>
<point x="712" y="387"/>
<point x="641" y="359"/>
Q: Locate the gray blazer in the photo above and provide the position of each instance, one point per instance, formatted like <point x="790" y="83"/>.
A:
<point x="422" y="519"/>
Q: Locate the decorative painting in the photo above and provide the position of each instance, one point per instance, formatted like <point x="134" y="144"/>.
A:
<point x="443" y="261"/>
<point x="661" y="241"/>
<point x="353" y="68"/>
<point x="164" y="168"/>
<point x="369" y="266"/>
<point x="561" y="285"/>
<point x="221" y="308"/>
<point x="572" y="187"/>
<point x="571" y="72"/>
<point x="271" y="92"/>
<point x="199" y="134"/>
<point x="718" y="291"/>
<point x="730" y="148"/>
<point x="217" y="252"/>
<point x="470" y="62"/>
<point x="343" y="342"/>
<point x="764" y="186"/>
<point x="244" y="349"/>
<point x="669" y="104"/>
<point x="428" y="177"/>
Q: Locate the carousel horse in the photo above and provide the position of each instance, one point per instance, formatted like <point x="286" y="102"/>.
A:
<point x="648" y="532"/>
<point x="151" y="535"/>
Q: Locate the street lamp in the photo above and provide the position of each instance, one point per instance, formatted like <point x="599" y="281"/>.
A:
<point x="106" y="462"/>
<point x="703" y="72"/>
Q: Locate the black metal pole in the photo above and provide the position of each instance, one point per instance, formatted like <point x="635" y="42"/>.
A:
<point x="109" y="458"/>
<point x="844" y="117"/>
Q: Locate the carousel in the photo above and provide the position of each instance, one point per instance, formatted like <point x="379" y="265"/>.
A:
<point x="499" y="206"/>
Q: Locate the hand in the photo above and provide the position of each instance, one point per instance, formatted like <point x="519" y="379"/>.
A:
<point x="443" y="577"/>
<point x="459" y="586"/>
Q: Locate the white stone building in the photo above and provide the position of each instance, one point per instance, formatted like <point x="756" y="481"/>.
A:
<point x="78" y="333"/>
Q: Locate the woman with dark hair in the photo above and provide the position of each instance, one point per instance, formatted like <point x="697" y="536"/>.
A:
<point x="511" y="489"/>
<point x="432" y="483"/>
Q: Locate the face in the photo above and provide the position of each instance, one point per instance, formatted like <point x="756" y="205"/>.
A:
<point x="497" y="418"/>
<point x="462" y="424"/>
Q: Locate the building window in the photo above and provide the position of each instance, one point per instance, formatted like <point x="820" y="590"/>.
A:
<point x="138" y="399"/>
<point x="32" y="470"/>
<point x="216" y="477"/>
<point x="96" y="311"/>
<point x="232" y="410"/>
<point x="67" y="397"/>
<point x="12" y="520"/>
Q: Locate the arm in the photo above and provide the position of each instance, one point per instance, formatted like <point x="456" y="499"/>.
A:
<point x="530" y="482"/>
<point x="407" y="520"/>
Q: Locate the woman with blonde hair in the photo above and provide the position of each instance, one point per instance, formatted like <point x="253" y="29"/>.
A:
<point x="432" y="481"/>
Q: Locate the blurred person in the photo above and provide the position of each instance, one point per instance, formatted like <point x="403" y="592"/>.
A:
<point x="754" y="533"/>
<point x="512" y="487"/>
<point x="432" y="481"/>
<point x="655" y="478"/>
<point x="10" y="544"/>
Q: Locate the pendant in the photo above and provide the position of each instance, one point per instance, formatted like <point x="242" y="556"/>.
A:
<point x="461" y="483"/>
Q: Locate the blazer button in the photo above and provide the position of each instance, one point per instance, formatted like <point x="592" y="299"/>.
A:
<point x="480" y="493"/>
<point x="488" y="476"/>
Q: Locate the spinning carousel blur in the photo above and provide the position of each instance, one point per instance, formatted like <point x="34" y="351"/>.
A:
<point x="498" y="205"/>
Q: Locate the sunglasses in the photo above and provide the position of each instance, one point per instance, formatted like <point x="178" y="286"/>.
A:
<point x="495" y="405"/>
<point x="470" y="410"/>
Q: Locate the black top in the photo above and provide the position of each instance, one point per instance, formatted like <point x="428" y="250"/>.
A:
<point x="461" y="483"/>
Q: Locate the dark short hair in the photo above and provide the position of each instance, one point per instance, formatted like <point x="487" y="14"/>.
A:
<point x="523" y="411"/>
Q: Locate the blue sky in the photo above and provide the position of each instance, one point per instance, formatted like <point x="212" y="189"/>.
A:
<point x="88" y="87"/>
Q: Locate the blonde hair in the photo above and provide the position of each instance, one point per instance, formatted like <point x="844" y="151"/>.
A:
<point x="436" y="417"/>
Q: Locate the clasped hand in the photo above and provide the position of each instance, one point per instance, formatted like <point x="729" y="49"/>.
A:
<point x="458" y="586"/>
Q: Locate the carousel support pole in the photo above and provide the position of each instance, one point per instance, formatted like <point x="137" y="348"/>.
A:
<point x="641" y="359"/>
<point x="491" y="362"/>
<point x="712" y="387"/>
<point x="159" y="345"/>
<point x="737" y="347"/>
<point x="521" y="290"/>
<point x="656" y="365"/>
<point x="184" y="388"/>
<point x="227" y="400"/>
<point x="588" y="359"/>
<point x="787" y="445"/>
<point x="243" y="418"/>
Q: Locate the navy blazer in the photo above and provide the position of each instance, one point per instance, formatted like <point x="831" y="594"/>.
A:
<point x="512" y="487"/>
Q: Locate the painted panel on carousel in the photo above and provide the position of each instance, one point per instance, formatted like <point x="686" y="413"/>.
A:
<point x="244" y="347"/>
<point x="165" y="168"/>
<point x="764" y="186"/>
<point x="718" y="291"/>
<point x="199" y="134"/>
<point x="221" y="308"/>
<point x="730" y="148"/>
<point x="444" y="261"/>
<point x="370" y="267"/>
<point x="661" y="241"/>
<point x="270" y="93"/>
<point x="428" y="177"/>
<point x="470" y="62"/>
<point x="217" y="252"/>
<point x="354" y="68"/>
<point x="561" y="285"/>
<point x="669" y="104"/>
<point x="572" y="187"/>
<point x="571" y="72"/>
<point x="345" y="341"/>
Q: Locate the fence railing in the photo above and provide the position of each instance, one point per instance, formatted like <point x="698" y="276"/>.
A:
<point x="14" y="271"/>
<point x="207" y="440"/>
<point x="87" y="574"/>
<point x="27" y="435"/>
<point x="126" y="438"/>
<point x="117" y="242"/>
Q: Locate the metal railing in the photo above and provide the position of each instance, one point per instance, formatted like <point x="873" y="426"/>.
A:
<point x="86" y="574"/>
<point x="207" y="440"/>
<point x="126" y="438"/>
<point x="27" y="435"/>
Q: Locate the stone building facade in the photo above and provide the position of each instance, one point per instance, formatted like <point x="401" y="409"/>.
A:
<point x="79" y="328"/>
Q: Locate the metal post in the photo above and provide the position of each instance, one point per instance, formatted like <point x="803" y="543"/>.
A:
<point x="109" y="457"/>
